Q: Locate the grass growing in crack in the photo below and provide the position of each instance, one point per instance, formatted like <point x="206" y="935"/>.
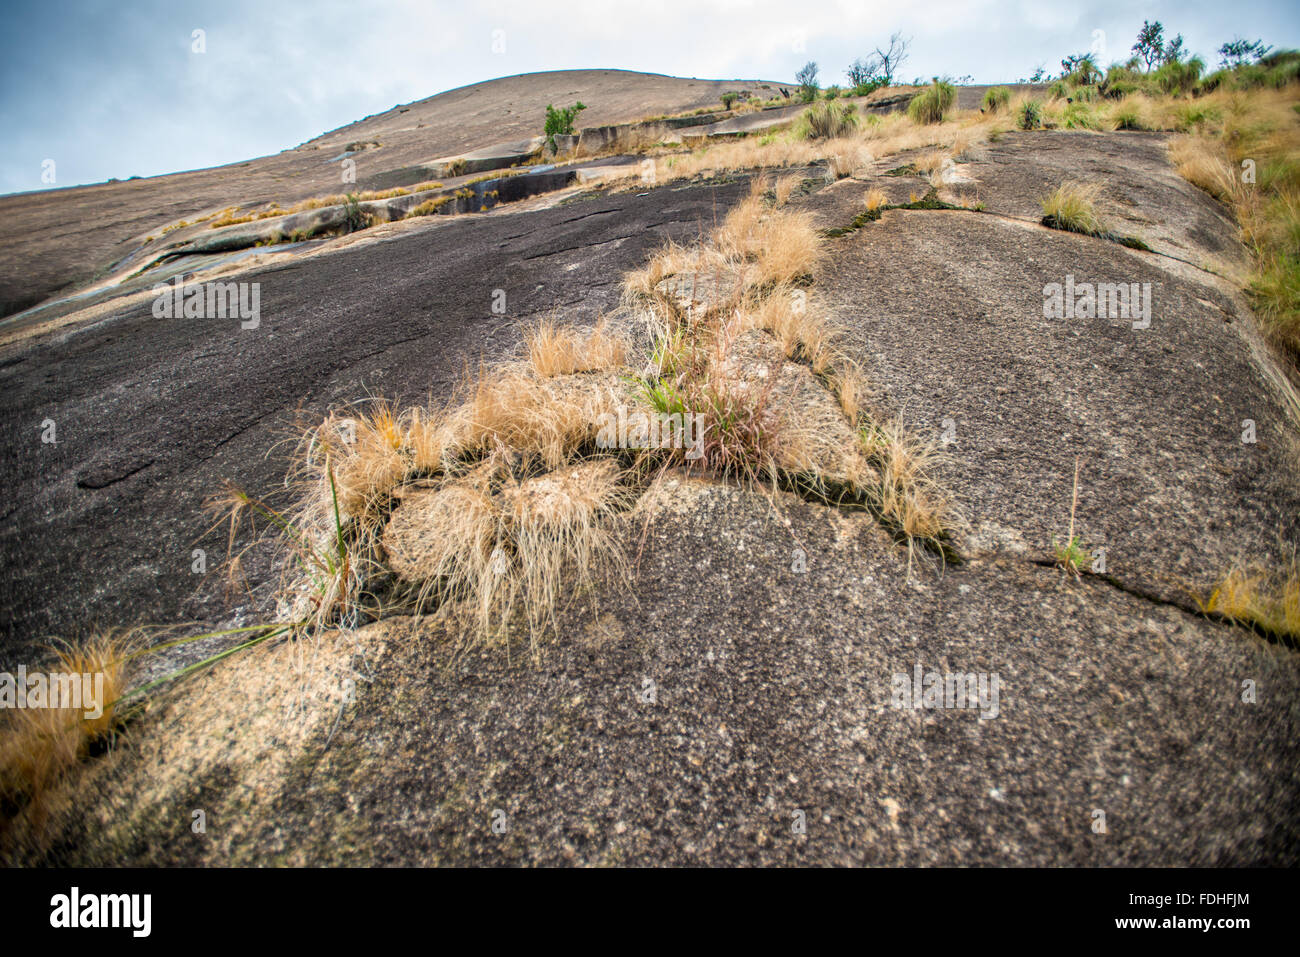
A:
<point x="1072" y="554"/>
<point x="1073" y="208"/>
<point x="490" y="546"/>
<point x="328" y="562"/>
<point x="803" y="331"/>
<point x="429" y="206"/>
<point x="1256" y="595"/>
<point x="908" y="497"/>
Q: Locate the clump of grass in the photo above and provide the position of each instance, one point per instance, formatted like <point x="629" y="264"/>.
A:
<point x="1030" y="116"/>
<point x="1128" y="115"/>
<point x="803" y="331"/>
<point x="1080" y="116"/>
<point x="776" y="245"/>
<point x="909" y="498"/>
<point x="1177" y="77"/>
<point x="1275" y="293"/>
<point x="1073" y="207"/>
<point x="932" y="104"/>
<point x="1257" y="595"/>
<point x="875" y="199"/>
<point x="429" y="206"/>
<point x="512" y="409"/>
<point x="931" y="162"/>
<point x="40" y="747"/>
<point x="1197" y="160"/>
<point x="232" y="220"/>
<point x="784" y="189"/>
<point x="558" y="349"/>
<point x="354" y="217"/>
<point x="828" y="120"/>
<point x="1257" y="129"/>
<point x="495" y="546"/>
<point x="997" y="99"/>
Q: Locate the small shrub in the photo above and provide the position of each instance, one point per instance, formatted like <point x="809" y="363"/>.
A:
<point x="933" y="103"/>
<point x="1081" y="70"/>
<point x="807" y="80"/>
<point x="1175" y="78"/>
<point x="867" y="87"/>
<point x="354" y="217"/>
<point x="728" y="99"/>
<point x="560" y="121"/>
<point x="997" y="99"/>
<point x="1031" y="115"/>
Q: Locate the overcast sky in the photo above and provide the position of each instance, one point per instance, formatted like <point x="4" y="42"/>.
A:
<point x="111" y="88"/>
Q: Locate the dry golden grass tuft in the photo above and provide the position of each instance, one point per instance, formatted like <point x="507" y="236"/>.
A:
<point x="779" y="245"/>
<point x="1200" y="160"/>
<point x="875" y="199"/>
<point x="1259" y="595"/>
<point x="494" y="547"/>
<point x="871" y="140"/>
<point x="360" y="455"/>
<point x="1073" y="207"/>
<point x="910" y="496"/>
<point x="784" y="189"/>
<point x="41" y="747"/>
<point x="803" y="331"/>
<point x="558" y="349"/>
<point x="675" y="259"/>
<point x="931" y="162"/>
<point x="510" y="410"/>
<point x="851" y="388"/>
<point x="562" y="529"/>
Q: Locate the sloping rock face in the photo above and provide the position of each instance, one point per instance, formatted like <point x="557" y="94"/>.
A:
<point x="953" y="332"/>
<point x="728" y="708"/>
<point x="51" y="241"/>
<point x="1142" y="195"/>
<point x="775" y="682"/>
